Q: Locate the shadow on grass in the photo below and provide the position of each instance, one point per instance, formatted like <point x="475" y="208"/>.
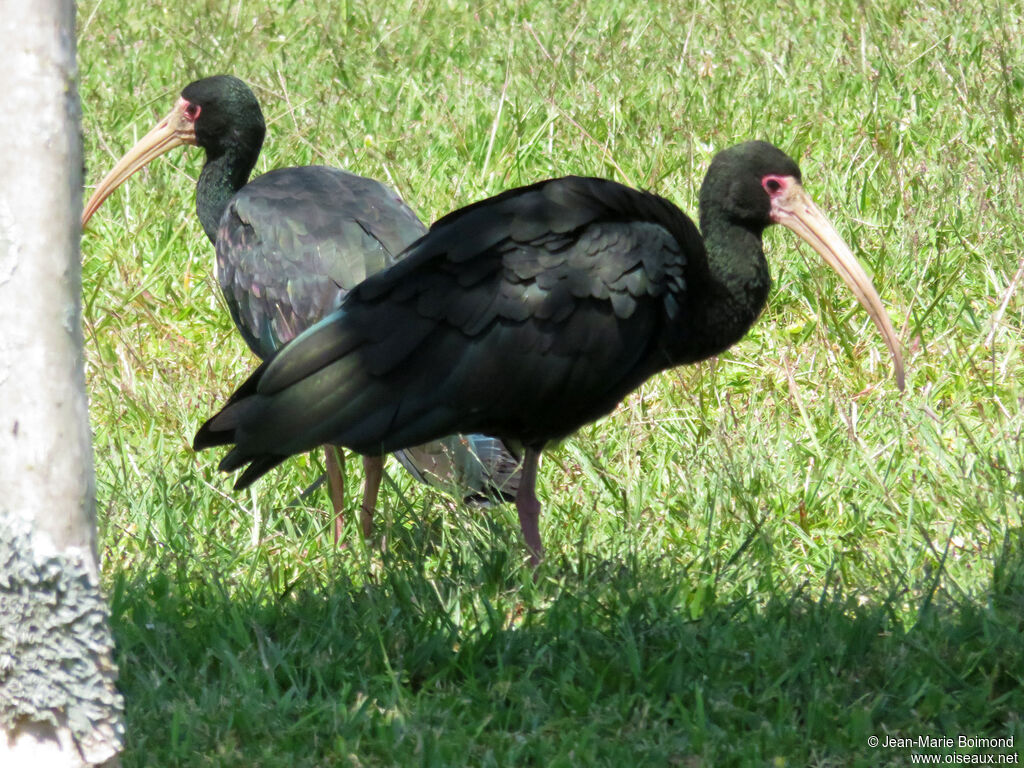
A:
<point x="595" y="664"/>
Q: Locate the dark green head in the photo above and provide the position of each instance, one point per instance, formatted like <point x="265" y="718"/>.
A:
<point x="226" y="115"/>
<point x="742" y="181"/>
<point x="219" y="114"/>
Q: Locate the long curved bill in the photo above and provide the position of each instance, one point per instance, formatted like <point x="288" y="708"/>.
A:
<point x="173" y="131"/>
<point x="795" y="209"/>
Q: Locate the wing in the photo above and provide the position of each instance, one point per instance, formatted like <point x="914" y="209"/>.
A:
<point x="474" y="468"/>
<point x="522" y="316"/>
<point x="294" y="241"/>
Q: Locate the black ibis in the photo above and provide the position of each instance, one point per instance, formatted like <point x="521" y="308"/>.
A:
<point x="529" y="314"/>
<point x="290" y="245"/>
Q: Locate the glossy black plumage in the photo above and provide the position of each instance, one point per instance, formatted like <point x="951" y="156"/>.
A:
<point x="294" y="241"/>
<point x="537" y="312"/>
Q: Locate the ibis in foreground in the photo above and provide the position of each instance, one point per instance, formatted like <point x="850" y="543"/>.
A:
<point x="530" y="314"/>
<point x="290" y="245"/>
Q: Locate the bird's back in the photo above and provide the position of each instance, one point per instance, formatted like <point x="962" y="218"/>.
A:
<point x="294" y="241"/>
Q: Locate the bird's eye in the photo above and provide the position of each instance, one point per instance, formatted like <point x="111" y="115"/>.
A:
<point x="773" y="185"/>
<point x="192" y="112"/>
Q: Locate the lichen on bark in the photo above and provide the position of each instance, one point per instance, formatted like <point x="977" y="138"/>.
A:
<point x="55" y="642"/>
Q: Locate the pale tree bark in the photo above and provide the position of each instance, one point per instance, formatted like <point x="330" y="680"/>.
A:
<point x="58" y="703"/>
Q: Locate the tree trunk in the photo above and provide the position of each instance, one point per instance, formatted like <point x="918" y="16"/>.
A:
<point x="58" y="703"/>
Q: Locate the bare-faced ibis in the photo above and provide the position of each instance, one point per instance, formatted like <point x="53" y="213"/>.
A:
<point x="290" y="245"/>
<point x="529" y="314"/>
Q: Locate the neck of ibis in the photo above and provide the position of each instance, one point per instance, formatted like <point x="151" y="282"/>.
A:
<point x="731" y="285"/>
<point x="222" y="176"/>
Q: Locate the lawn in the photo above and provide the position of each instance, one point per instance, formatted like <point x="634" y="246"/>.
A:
<point x="770" y="558"/>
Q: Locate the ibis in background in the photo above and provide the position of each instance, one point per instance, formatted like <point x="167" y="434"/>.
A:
<point x="530" y="314"/>
<point x="290" y="245"/>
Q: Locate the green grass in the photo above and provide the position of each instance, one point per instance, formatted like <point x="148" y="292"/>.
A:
<point x="760" y="560"/>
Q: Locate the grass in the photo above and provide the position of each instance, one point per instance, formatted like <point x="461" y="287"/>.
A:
<point x="763" y="559"/>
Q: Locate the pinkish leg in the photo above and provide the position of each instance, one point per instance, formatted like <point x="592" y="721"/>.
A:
<point x="373" y="466"/>
<point x="529" y="508"/>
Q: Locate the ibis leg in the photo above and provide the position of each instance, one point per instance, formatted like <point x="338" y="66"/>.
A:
<point x="528" y="507"/>
<point x="336" y="486"/>
<point x="373" y="466"/>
